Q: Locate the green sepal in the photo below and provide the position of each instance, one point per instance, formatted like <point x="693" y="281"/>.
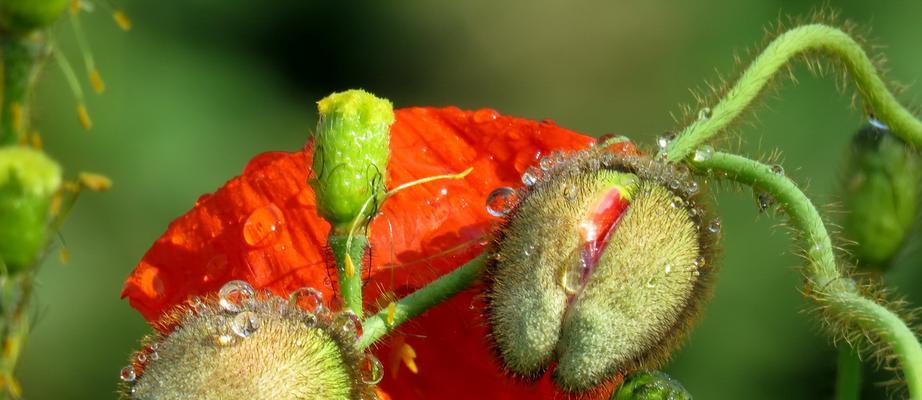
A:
<point x="351" y="150"/>
<point x="881" y="196"/>
<point x="28" y="180"/>
<point x="651" y="385"/>
<point x="21" y="17"/>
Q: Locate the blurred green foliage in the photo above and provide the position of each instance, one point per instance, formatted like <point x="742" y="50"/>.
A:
<point x="200" y="86"/>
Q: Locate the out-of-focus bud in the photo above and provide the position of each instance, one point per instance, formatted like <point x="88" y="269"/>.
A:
<point x="881" y="195"/>
<point x="28" y="180"/>
<point x="351" y="149"/>
<point x="651" y="385"/>
<point x="20" y="17"/>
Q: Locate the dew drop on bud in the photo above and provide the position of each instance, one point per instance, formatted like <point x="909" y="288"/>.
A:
<point x="530" y="177"/>
<point x="704" y="153"/>
<point x="348" y="323"/>
<point x="501" y="200"/>
<point x="141" y="357"/>
<point x="224" y="340"/>
<point x="572" y="274"/>
<point x="127" y="374"/>
<point x="714" y="226"/>
<point x="245" y="324"/>
<point x="777" y="169"/>
<point x="233" y="294"/>
<point x="308" y="299"/>
<point x="371" y="369"/>
<point x="547" y="163"/>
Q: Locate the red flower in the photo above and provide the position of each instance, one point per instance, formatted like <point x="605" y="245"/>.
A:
<point x="263" y="227"/>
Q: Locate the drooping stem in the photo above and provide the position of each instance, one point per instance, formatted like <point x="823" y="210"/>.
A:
<point x="21" y="58"/>
<point x="378" y="325"/>
<point x="835" y="292"/>
<point x="848" y="371"/>
<point x="349" y="255"/>
<point x="807" y="38"/>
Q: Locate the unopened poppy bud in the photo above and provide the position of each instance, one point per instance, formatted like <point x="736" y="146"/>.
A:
<point x="23" y="16"/>
<point x="881" y="195"/>
<point x="599" y="270"/>
<point x="651" y="385"/>
<point x="351" y="149"/>
<point x="28" y="181"/>
<point x="245" y="344"/>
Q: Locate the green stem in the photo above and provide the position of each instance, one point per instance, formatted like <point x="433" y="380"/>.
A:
<point x="14" y="328"/>
<point x="848" y="370"/>
<point x="378" y="325"/>
<point x="349" y="272"/>
<point x="21" y="58"/>
<point x="818" y="38"/>
<point x="836" y="293"/>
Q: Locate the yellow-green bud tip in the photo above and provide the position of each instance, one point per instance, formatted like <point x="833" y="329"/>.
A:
<point x="28" y="180"/>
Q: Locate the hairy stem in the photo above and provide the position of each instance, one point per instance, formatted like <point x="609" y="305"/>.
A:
<point x="848" y="370"/>
<point x="21" y="58"/>
<point x="14" y="328"/>
<point x="349" y="255"/>
<point x="818" y="38"/>
<point x="836" y="293"/>
<point x="378" y="325"/>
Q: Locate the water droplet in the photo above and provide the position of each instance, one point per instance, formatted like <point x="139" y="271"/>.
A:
<point x="570" y="192"/>
<point x="704" y="153"/>
<point x="765" y="201"/>
<point x="263" y="226"/>
<point x="714" y="226"/>
<point x="141" y="357"/>
<point x="530" y="177"/>
<point x="663" y="141"/>
<point x="692" y="187"/>
<point x="348" y="323"/>
<point x="572" y="274"/>
<point x="154" y="356"/>
<point x="546" y="163"/>
<point x="485" y="115"/>
<point x="678" y="202"/>
<point x="310" y="320"/>
<point x="224" y="340"/>
<point x="234" y="293"/>
<point x="668" y="268"/>
<point x="777" y="169"/>
<point x="704" y="113"/>
<point x="308" y="299"/>
<point x="501" y="201"/>
<point x="699" y="262"/>
<point x="127" y="374"/>
<point x="696" y="273"/>
<point x="878" y="124"/>
<point x="245" y="324"/>
<point x="371" y="369"/>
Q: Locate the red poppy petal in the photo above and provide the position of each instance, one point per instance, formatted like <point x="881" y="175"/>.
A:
<point x="262" y="227"/>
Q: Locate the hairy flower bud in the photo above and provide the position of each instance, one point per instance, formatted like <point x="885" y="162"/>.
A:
<point x="881" y="195"/>
<point x="599" y="270"/>
<point x="351" y="149"/>
<point x="28" y="180"/>
<point x="24" y="16"/>
<point x="245" y="344"/>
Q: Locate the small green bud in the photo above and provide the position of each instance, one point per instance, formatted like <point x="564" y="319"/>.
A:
<point x="651" y="385"/>
<point x="23" y="16"/>
<point x="599" y="270"/>
<point x="351" y="149"/>
<point x="28" y="180"/>
<point x="881" y="196"/>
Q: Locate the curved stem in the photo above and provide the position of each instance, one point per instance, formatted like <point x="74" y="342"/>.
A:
<point x="816" y="37"/>
<point x="837" y="293"/>
<point x="848" y="371"/>
<point x="378" y="325"/>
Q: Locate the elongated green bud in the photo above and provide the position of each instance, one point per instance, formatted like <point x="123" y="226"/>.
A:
<point x="599" y="270"/>
<point x="651" y="385"/>
<point x="881" y="195"/>
<point x="23" y="16"/>
<point x="28" y="180"/>
<point x="351" y="149"/>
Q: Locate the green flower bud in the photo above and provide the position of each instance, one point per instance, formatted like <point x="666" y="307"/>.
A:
<point x="28" y="180"/>
<point x="881" y="196"/>
<point x="351" y="149"/>
<point x="245" y="344"/>
<point x="23" y="16"/>
<point x="651" y="385"/>
<point x="599" y="270"/>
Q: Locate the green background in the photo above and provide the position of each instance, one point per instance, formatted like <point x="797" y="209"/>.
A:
<point x="198" y="87"/>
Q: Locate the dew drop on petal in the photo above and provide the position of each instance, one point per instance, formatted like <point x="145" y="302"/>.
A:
<point x="127" y="374"/>
<point x="371" y="369"/>
<point x="233" y="295"/>
<point x="308" y="299"/>
<point x="245" y="324"/>
<point x="704" y="153"/>
<point x="263" y="226"/>
<point x="348" y="323"/>
<point x="501" y="201"/>
<point x="485" y="115"/>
